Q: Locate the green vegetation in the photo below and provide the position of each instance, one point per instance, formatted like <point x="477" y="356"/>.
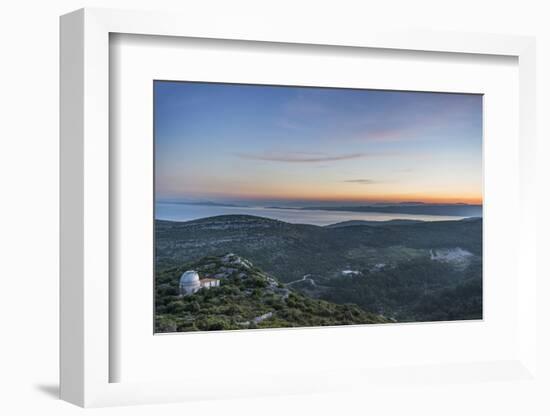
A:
<point x="245" y="296"/>
<point x="396" y="271"/>
<point x="289" y="251"/>
<point x="418" y="290"/>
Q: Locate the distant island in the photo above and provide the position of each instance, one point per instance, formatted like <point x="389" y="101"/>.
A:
<point x="418" y="208"/>
<point x="205" y="204"/>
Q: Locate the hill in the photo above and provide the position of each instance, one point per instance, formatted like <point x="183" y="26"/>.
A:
<point x="291" y="251"/>
<point x="461" y="210"/>
<point x="247" y="298"/>
<point x="351" y="223"/>
<point x="407" y="271"/>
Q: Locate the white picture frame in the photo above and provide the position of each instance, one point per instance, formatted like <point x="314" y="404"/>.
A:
<point x="86" y="218"/>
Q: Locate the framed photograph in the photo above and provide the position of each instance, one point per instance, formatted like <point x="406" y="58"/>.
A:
<point x="286" y="206"/>
<point x="246" y="212"/>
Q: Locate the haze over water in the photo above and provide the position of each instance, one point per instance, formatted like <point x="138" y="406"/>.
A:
<point x="184" y="212"/>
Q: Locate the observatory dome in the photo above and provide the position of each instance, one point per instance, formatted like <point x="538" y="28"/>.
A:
<point x="190" y="277"/>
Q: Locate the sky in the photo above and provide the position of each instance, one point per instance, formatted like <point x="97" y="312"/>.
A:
<point x="233" y="142"/>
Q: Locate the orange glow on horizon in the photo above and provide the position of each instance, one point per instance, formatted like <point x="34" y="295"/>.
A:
<point x="335" y="192"/>
<point x="437" y="198"/>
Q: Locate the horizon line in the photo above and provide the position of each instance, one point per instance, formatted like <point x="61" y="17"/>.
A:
<point x="271" y="199"/>
<point x="327" y="225"/>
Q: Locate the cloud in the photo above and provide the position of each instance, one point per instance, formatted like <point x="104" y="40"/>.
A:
<point x="299" y="157"/>
<point x="361" y="181"/>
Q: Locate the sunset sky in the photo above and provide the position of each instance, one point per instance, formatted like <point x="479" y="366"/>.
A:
<point x="230" y="142"/>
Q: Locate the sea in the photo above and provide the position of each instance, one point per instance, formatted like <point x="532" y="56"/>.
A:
<point x="187" y="212"/>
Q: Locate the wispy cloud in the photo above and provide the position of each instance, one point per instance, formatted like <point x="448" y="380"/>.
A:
<point x="361" y="181"/>
<point x="299" y="157"/>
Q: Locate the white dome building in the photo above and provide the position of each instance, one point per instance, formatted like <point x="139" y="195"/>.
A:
<point x="189" y="282"/>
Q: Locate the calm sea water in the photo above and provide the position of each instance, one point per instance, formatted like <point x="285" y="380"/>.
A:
<point x="182" y="212"/>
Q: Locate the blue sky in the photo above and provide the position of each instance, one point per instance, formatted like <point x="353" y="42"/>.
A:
<point x="231" y="142"/>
